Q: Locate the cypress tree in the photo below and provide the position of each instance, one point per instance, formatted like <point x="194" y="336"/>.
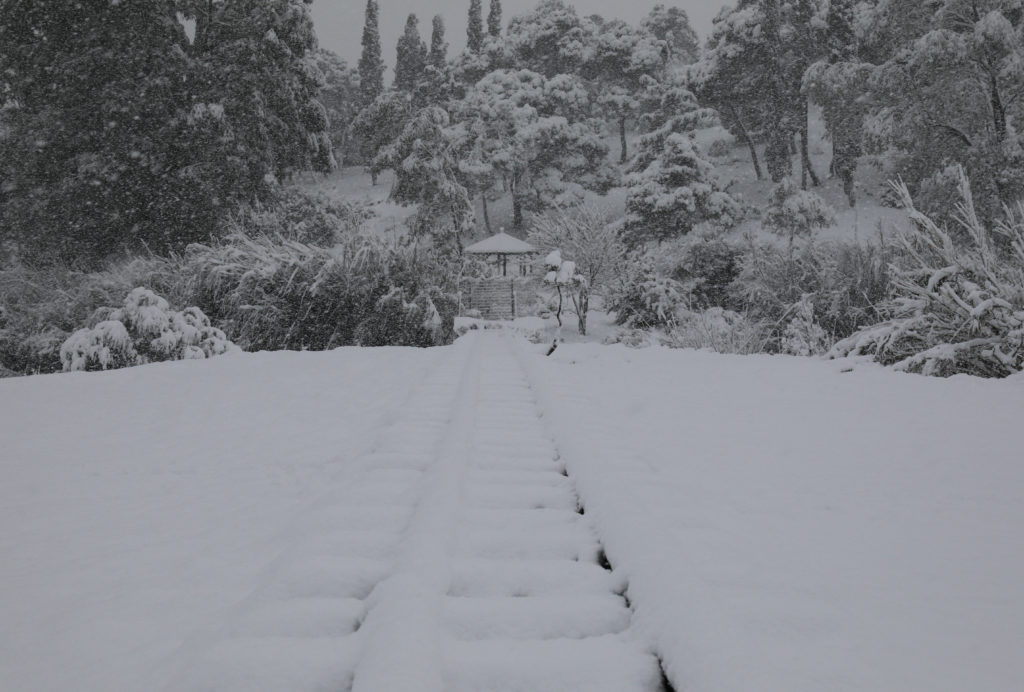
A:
<point x="840" y="38"/>
<point x="411" y="56"/>
<point x="438" y="48"/>
<point x="371" y="66"/>
<point x="475" y="28"/>
<point x="494" y="19"/>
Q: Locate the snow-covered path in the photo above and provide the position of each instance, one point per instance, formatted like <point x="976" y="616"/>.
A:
<point x="459" y="558"/>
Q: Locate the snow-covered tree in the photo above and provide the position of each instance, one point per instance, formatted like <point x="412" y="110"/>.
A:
<point x="494" y="19"/>
<point x="533" y="135"/>
<point x="426" y="164"/>
<point x="475" y="27"/>
<point x="371" y="64"/>
<point x="438" y="55"/>
<point x="340" y="98"/>
<point x="672" y="25"/>
<point x="620" y="63"/>
<point x="132" y="134"/>
<point x="411" y="56"/>
<point x="591" y="234"/>
<point x="946" y="92"/>
<point x="752" y="73"/>
<point x="550" y="39"/>
<point x="380" y="123"/>
<point x="674" y="193"/>
<point x="569" y="283"/>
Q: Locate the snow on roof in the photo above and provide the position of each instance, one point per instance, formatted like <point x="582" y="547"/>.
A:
<point x="500" y="244"/>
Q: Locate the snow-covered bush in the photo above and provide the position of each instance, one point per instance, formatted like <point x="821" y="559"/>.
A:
<point x="647" y="299"/>
<point x="270" y="294"/>
<point x="397" y="321"/>
<point x="41" y="307"/>
<point x="845" y="283"/>
<point x="307" y="217"/>
<point x="803" y="336"/>
<point x="706" y="266"/>
<point x="794" y="213"/>
<point x="144" y="330"/>
<point x="722" y="331"/>
<point x="955" y="307"/>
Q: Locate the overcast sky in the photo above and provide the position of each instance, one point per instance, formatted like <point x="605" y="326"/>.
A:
<point x="339" y="23"/>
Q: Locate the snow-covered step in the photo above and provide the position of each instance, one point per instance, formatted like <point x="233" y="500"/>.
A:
<point x="511" y="542"/>
<point x="272" y="664"/>
<point x="301" y="618"/>
<point x="522" y="496"/>
<point x="476" y="577"/>
<point x="613" y="663"/>
<point x="535" y="617"/>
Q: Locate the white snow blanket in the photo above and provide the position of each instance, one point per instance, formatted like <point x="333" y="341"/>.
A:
<point x="392" y="519"/>
<point x="788" y="527"/>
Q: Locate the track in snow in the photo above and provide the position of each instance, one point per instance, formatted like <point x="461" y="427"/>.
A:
<point x="458" y="560"/>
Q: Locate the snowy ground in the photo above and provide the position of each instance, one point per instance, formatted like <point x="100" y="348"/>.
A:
<point x="392" y="519"/>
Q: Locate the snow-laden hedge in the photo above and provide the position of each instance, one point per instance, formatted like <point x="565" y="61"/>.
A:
<point x="957" y="304"/>
<point x="143" y="330"/>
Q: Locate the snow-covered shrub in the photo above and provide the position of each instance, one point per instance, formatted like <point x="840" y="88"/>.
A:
<point x="721" y="147"/>
<point x="398" y="322"/>
<point x="794" y="213"/>
<point x="647" y="299"/>
<point x="307" y="217"/>
<point x="722" y="331"/>
<point x="107" y="346"/>
<point x="844" y="283"/>
<point x="42" y="306"/>
<point x="803" y="336"/>
<point x="144" y="330"/>
<point x="633" y="338"/>
<point x="955" y="307"/>
<point x="272" y="294"/>
<point x="706" y="266"/>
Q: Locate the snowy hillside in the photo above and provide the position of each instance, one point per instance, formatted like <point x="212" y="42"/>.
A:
<point x="774" y="523"/>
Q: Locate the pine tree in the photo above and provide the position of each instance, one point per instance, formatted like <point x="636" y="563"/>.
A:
<point x="411" y="56"/>
<point x="371" y="66"/>
<point x="475" y="27"/>
<point x="438" y="46"/>
<point x="835" y="84"/>
<point x="674" y="193"/>
<point x="494" y="19"/>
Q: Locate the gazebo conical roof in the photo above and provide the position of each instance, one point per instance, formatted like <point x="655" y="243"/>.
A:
<point x="500" y="244"/>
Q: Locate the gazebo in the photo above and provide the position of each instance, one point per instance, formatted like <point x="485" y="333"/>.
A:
<point x="502" y="246"/>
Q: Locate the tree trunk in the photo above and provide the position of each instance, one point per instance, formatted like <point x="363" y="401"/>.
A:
<point x="517" y="213"/>
<point x="558" y="315"/>
<point x="582" y="306"/>
<point x="622" y="140"/>
<point x="998" y="110"/>
<point x="805" y="155"/>
<point x="745" y="136"/>
<point x="487" y="217"/>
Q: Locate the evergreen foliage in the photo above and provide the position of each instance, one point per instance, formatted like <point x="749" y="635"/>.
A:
<point x="494" y="19"/>
<point x="674" y="193"/>
<point x="371" y="64"/>
<point x="672" y="25"/>
<point x="123" y="133"/>
<point x="475" y="27"/>
<point x="411" y="59"/>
